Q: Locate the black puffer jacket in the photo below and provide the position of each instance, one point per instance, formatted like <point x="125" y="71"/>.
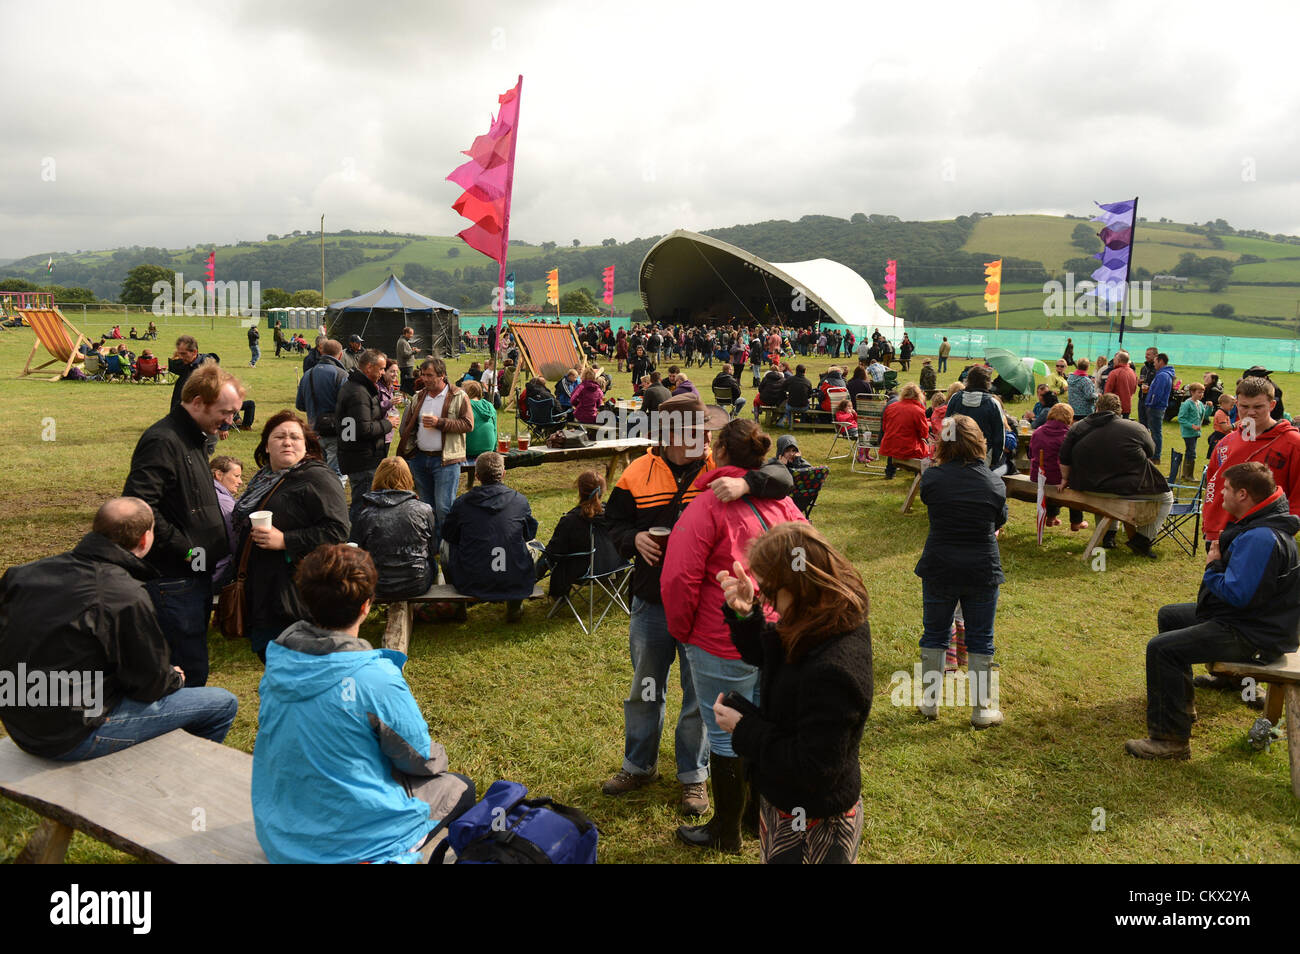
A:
<point x="488" y="530"/>
<point x="803" y="744"/>
<point x="397" y="529"/>
<point x="361" y="417"/>
<point x="573" y="535"/>
<point x="309" y="509"/>
<point x="84" y="611"/>
<point x="169" y="472"/>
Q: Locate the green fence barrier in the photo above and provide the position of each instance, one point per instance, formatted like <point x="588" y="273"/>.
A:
<point x="1204" y="351"/>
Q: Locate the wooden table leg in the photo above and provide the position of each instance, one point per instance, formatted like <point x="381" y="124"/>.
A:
<point x="48" y="844"/>
<point x="1274" y="698"/>
<point x="912" y="492"/>
<point x="1292" y="732"/>
<point x="397" y="633"/>
<point x="1103" y="526"/>
<point x="617" y="460"/>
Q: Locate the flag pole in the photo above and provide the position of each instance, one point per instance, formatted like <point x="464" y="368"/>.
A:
<point x="1128" y="270"/>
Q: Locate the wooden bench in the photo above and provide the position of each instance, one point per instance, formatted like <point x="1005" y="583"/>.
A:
<point x="775" y="415"/>
<point x="1132" y="512"/>
<point x="918" y="467"/>
<point x="176" y="799"/>
<point x="397" y="634"/>
<point x="1283" y="678"/>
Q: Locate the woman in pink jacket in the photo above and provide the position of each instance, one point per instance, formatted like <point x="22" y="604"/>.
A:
<point x="710" y="537"/>
<point x="587" y="398"/>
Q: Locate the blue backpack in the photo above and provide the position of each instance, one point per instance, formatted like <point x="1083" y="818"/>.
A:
<point x="508" y="828"/>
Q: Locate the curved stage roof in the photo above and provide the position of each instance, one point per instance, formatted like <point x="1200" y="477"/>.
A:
<point x="688" y="277"/>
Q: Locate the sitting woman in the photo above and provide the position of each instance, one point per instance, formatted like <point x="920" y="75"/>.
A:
<point x="905" y="428"/>
<point x="307" y="509"/>
<point x="540" y="404"/>
<point x="483" y="437"/>
<point x="350" y="776"/>
<point x="475" y="373"/>
<point x="801" y="742"/>
<point x="587" y="398"/>
<point x="487" y="532"/>
<point x="398" y="531"/>
<point x="565" y="557"/>
<point x="1045" y="446"/>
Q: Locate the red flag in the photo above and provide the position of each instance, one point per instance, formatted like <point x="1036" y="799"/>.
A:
<point x="608" y="276"/>
<point x="488" y="178"/>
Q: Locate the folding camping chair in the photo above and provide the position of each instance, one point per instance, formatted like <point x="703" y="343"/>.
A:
<point x="808" y="483"/>
<point x="116" y="368"/>
<point x="96" y="368"/>
<point x="722" y="397"/>
<point x="842" y="428"/>
<point x="871" y="414"/>
<point x="52" y="331"/>
<point x="545" y="417"/>
<point x="888" y="383"/>
<point x="613" y="584"/>
<point x="1188" y="499"/>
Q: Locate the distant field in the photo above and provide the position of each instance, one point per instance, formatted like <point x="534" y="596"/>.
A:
<point x="1278" y="270"/>
<point x="1046" y="239"/>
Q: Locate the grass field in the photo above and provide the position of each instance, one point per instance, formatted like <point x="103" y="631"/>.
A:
<point x="541" y="703"/>
<point x="1046" y="239"/>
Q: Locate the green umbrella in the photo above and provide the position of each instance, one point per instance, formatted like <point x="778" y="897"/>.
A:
<point x="1010" y="368"/>
<point x="1035" y="366"/>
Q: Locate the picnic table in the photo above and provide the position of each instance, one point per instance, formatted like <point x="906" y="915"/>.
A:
<point x="619" y="452"/>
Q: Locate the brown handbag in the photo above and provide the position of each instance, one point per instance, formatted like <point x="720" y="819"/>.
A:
<point x="232" y="604"/>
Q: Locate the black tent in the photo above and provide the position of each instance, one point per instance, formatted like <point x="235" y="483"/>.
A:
<point x="379" y="316"/>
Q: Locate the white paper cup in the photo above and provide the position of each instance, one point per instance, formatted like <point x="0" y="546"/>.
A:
<point x="260" y="518"/>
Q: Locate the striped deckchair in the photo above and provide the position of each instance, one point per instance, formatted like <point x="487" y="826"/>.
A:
<point x="52" y="331"/>
<point x="547" y="350"/>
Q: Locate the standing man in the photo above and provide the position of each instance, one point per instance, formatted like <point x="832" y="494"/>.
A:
<point x="185" y="362"/>
<point x="318" y="398"/>
<point x="905" y="351"/>
<point x="362" y="426"/>
<point x="1068" y="355"/>
<point x="169" y="472"/>
<point x="945" y="349"/>
<point x="280" y="344"/>
<point x="652" y="492"/>
<point x="406" y="353"/>
<point x="432" y="439"/>
<point x="1145" y="374"/>
<point x="1122" y="382"/>
<point x="1247" y="610"/>
<point x="313" y="355"/>
<point x="352" y="352"/>
<point x="1157" y="400"/>
<point x="255" y="352"/>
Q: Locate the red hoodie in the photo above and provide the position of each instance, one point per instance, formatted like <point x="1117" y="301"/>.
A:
<point x="708" y="537"/>
<point x="1278" y="447"/>
<point x="906" y="428"/>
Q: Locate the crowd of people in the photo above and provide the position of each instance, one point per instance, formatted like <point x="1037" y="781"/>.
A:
<point x="356" y="500"/>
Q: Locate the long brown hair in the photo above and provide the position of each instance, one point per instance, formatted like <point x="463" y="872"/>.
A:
<point x="828" y="596"/>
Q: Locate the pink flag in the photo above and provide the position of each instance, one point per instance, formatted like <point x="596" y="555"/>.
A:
<point x="488" y="178"/>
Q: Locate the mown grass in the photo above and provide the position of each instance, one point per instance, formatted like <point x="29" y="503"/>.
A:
<point x="541" y="703"/>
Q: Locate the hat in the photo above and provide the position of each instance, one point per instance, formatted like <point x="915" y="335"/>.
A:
<point x="925" y="360"/>
<point x="356" y="339"/>
<point x="784" y="443"/>
<point x="714" y="418"/>
<point x="1256" y="371"/>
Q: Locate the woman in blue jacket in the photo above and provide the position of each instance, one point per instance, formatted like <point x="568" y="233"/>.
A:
<point x="343" y="769"/>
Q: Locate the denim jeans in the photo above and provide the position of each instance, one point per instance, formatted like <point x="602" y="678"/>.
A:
<point x="653" y="651"/>
<point x="1184" y="641"/>
<point x="330" y="447"/>
<point x="712" y="675"/>
<point x="436" y="484"/>
<point x="979" y="606"/>
<point x="943" y="364"/>
<point x="360" y="481"/>
<point x="790" y="412"/>
<point x="207" y="713"/>
<point x="255" y="353"/>
<point x="1156" y="425"/>
<point x="183" y="607"/>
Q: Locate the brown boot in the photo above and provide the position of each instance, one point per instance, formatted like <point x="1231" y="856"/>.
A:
<point x="1158" y="749"/>
<point x="695" y="798"/>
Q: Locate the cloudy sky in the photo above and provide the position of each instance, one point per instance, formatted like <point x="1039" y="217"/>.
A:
<point x="177" y="123"/>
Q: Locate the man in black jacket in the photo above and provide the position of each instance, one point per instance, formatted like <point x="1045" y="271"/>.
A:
<point x="652" y="493"/>
<point x="185" y="362"/>
<point x="1247" y="610"/>
<point x="362" y="426"/>
<point x="169" y="472"/>
<point x="318" y="397"/>
<point x="1106" y="454"/>
<point x="798" y="394"/>
<point x="82" y="628"/>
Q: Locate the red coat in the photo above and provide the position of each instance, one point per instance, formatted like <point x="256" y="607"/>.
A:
<point x="906" y="428"/>
<point x="707" y="538"/>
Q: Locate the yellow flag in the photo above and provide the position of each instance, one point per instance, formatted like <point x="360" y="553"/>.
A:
<point x="992" y="284"/>
<point x="553" y="287"/>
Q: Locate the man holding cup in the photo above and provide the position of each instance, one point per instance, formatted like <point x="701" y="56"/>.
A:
<point x="432" y="439"/>
<point x="643" y="506"/>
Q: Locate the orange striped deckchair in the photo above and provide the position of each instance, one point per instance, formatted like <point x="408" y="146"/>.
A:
<point x="547" y="350"/>
<point x="52" y="331"/>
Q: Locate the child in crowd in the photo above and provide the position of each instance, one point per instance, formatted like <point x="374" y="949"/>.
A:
<point x="1190" y="415"/>
<point x="845" y="415"/>
<point x="938" y="408"/>
<point x="1222" y="422"/>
